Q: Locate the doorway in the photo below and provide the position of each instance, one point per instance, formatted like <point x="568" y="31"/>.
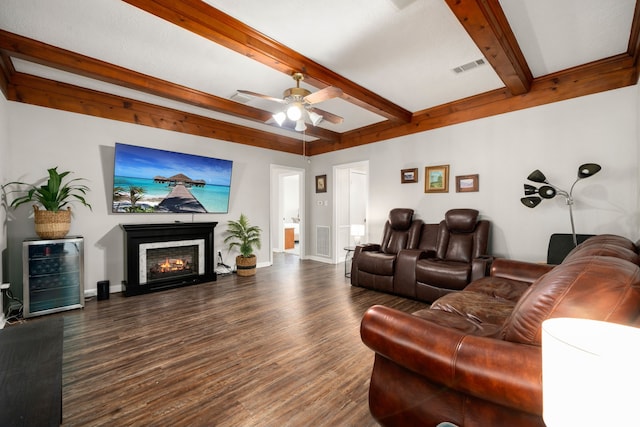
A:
<point x="287" y="210"/>
<point x="351" y="190"/>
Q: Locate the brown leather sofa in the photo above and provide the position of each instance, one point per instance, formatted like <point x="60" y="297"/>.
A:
<point x="373" y="265"/>
<point x="438" y="258"/>
<point x="474" y="357"/>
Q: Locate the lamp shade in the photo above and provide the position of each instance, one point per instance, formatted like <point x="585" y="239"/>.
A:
<point x="589" y="373"/>
<point x="588" y="169"/>
<point x="315" y="118"/>
<point x="529" y="189"/>
<point x="547" y="192"/>
<point x="537" y="176"/>
<point x="357" y="230"/>
<point x="294" y="112"/>
<point x="531" y="202"/>
<point x="280" y="117"/>
<point x="300" y="125"/>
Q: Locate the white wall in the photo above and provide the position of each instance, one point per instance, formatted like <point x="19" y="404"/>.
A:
<point x="41" y="138"/>
<point x="503" y="150"/>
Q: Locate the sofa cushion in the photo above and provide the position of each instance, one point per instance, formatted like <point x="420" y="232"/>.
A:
<point x="604" y="249"/>
<point x="499" y="287"/>
<point x="480" y="308"/>
<point x="429" y="239"/>
<point x="400" y="218"/>
<point x="461" y="220"/>
<point x="598" y="288"/>
<point x="377" y="263"/>
<point x="443" y="273"/>
<point x="610" y="239"/>
<point x="461" y="323"/>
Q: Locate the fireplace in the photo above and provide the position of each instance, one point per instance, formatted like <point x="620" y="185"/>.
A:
<point x="161" y="256"/>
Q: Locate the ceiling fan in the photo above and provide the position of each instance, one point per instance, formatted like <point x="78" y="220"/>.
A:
<point x="299" y="102"/>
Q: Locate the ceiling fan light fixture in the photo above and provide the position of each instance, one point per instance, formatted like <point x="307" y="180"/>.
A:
<point x="280" y="117"/>
<point x="300" y="125"/>
<point x="315" y="118"/>
<point x="294" y="112"/>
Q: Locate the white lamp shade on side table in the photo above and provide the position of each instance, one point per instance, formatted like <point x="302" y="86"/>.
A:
<point x="590" y="373"/>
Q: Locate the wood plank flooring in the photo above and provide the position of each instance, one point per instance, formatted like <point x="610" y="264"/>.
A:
<point x="279" y="349"/>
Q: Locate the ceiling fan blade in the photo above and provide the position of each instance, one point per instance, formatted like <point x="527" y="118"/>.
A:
<point x="328" y="92"/>
<point x="259" y="95"/>
<point x="330" y="117"/>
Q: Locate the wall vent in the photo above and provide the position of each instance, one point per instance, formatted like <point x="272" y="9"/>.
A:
<point x="323" y="240"/>
<point x="469" y="66"/>
<point x="238" y="97"/>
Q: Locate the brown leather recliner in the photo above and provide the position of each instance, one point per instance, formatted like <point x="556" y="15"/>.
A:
<point x="373" y="265"/>
<point x="460" y="256"/>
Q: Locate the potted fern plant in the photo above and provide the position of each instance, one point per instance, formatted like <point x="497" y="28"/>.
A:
<point x="54" y="221"/>
<point x="245" y="237"/>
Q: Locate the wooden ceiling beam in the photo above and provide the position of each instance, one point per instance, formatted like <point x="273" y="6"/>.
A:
<point x="633" y="48"/>
<point x="62" y="96"/>
<point x="208" y="22"/>
<point x="6" y="69"/>
<point x="599" y="76"/>
<point x="487" y="25"/>
<point x="65" y="60"/>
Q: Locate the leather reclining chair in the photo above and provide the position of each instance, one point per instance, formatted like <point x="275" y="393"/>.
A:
<point x="373" y="265"/>
<point x="460" y="256"/>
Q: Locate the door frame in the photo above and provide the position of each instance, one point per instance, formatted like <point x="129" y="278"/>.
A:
<point x="276" y="228"/>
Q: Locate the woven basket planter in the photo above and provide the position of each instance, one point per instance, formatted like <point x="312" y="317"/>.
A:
<point x="246" y="266"/>
<point x="52" y="225"/>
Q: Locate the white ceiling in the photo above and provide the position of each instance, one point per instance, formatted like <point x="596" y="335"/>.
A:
<point x="402" y="50"/>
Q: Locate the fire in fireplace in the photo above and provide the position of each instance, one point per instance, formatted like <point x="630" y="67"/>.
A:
<point x="161" y="256"/>
<point x="172" y="261"/>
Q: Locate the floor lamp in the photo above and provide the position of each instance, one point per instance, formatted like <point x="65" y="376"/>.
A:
<point x="549" y="191"/>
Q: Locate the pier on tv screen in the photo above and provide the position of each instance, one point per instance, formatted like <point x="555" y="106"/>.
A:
<point x="148" y="180"/>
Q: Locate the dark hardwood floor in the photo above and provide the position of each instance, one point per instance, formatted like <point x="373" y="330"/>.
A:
<point x="279" y="349"/>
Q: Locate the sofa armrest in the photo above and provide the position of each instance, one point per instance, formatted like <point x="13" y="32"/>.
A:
<point x="367" y="247"/>
<point x="503" y="372"/>
<point x="373" y="247"/>
<point x="404" y="280"/>
<point x="480" y="267"/>
<point x="518" y="270"/>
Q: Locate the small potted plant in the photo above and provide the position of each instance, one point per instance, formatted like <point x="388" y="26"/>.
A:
<point x="246" y="237"/>
<point x="54" y="221"/>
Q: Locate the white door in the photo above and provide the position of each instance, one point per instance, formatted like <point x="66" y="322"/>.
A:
<point x="351" y="197"/>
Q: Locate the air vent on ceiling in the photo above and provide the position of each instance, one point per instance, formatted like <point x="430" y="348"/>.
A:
<point x="469" y="66"/>
<point x="238" y="97"/>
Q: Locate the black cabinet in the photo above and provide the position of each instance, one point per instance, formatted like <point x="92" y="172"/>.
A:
<point x="53" y="275"/>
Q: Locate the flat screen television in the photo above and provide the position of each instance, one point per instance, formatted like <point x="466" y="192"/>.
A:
<point x="149" y="180"/>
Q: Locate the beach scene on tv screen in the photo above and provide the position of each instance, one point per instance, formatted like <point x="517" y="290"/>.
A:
<point x="149" y="180"/>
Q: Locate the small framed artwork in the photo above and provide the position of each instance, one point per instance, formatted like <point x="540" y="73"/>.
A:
<point x="467" y="183"/>
<point x="321" y="183"/>
<point x="436" y="179"/>
<point x="409" y="175"/>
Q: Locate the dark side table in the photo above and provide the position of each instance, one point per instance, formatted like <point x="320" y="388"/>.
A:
<point x="347" y="260"/>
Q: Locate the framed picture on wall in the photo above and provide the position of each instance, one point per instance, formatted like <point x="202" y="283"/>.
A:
<point x="467" y="183"/>
<point x="409" y="175"/>
<point x="436" y="179"/>
<point x="321" y="183"/>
